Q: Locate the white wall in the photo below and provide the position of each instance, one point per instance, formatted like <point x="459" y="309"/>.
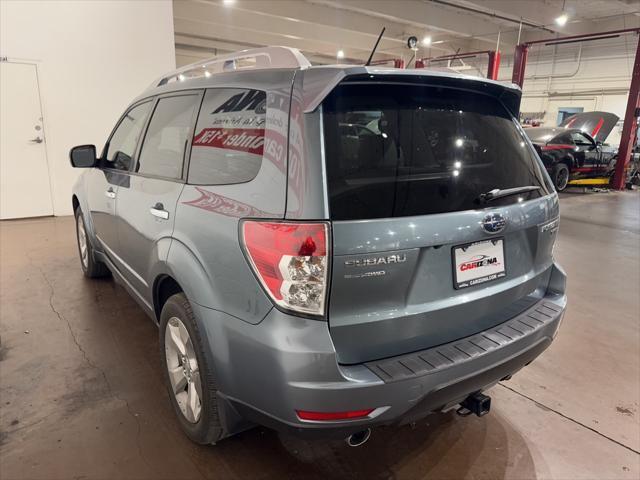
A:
<point x="93" y="58"/>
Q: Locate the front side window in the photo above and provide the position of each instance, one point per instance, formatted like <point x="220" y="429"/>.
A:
<point x="229" y="138"/>
<point x="581" y="139"/>
<point x="123" y="142"/>
<point x="564" y="139"/>
<point x="401" y="150"/>
<point x="164" y="144"/>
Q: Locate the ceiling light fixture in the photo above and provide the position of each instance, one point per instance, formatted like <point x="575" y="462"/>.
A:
<point x="562" y="19"/>
<point x="340" y="54"/>
<point x="426" y="41"/>
<point x="228" y="2"/>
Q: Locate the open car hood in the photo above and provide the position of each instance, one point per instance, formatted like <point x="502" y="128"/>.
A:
<point x="596" y="124"/>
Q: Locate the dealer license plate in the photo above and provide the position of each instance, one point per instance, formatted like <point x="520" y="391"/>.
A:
<point x="478" y="262"/>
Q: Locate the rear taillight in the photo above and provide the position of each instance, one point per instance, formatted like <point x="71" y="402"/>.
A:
<point x="290" y="260"/>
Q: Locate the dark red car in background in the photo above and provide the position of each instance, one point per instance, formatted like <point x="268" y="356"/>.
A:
<point x="576" y="149"/>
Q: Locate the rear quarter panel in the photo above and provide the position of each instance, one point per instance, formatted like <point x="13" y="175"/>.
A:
<point x="206" y="234"/>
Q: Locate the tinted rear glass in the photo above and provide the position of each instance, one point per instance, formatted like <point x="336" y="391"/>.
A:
<point x="229" y="139"/>
<point x="401" y="150"/>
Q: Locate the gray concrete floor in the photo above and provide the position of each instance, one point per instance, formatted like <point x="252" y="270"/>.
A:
<point x="82" y="396"/>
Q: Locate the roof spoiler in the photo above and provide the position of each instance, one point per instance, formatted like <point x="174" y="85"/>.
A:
<point x="318" y="83"/>
<point x="251" y="59"/>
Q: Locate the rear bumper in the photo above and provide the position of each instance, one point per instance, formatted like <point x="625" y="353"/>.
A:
<point x="268" y="371"/>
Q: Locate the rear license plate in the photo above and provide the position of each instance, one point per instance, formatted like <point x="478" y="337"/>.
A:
<point x="478" y="262"/>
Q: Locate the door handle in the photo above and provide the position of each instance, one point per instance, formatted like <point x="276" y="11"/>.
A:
<point x="36" y="140"/>
<point x="158" y="211"/>
<point x="110" y="193"/>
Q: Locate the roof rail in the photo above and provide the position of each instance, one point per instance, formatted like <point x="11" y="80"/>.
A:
<point x="251" y="59"/>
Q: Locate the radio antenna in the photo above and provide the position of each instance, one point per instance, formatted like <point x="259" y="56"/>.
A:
<point x="374" y="47"/>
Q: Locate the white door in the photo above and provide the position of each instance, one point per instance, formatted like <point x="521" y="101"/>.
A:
<point x="25" y="190"/>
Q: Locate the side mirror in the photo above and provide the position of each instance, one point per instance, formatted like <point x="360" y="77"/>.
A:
<point x="83" y="156"/>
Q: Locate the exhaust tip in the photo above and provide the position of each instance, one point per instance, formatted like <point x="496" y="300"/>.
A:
<point x="358" y="438"/>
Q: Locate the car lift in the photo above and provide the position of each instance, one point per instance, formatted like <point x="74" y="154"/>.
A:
<point x="633" y="102"/>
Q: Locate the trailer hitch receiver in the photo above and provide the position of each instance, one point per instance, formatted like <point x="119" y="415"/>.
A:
<point x="477" y="403"/>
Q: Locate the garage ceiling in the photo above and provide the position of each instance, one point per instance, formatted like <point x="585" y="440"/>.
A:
<point x="320" y="28"/>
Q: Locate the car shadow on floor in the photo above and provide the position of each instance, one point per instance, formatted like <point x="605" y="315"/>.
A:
<point x="441" y="446"/>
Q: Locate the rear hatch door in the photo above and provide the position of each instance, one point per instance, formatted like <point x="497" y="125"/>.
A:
<point x="420" y="258"/>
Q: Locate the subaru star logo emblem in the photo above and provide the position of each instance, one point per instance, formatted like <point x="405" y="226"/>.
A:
<point x="493" y="223"/>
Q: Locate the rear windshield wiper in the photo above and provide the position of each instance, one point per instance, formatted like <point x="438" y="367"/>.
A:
<point x="498" y="193"/>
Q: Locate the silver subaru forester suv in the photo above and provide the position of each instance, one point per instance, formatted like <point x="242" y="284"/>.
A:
<point x="325" y="249"/>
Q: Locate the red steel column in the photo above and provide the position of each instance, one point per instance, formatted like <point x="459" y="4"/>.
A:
<point x="398" y="63"/>
<point x="494" y="65"/>
<point x="519" y="63"/>
<point x="629" y="126"/>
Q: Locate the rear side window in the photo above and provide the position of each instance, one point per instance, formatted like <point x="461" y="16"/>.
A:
<point x="125" y="137"/>
<point x="229" y="138"/>
<point x="401" y="150"/>
<point x="164" y="144"/>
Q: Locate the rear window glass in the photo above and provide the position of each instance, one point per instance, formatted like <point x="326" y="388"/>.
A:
<point x="229" y="137"/>
<point x="401" y="150"/>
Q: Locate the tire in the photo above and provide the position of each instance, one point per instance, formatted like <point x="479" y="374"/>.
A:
<point x="186" y="378"/>
<point x="560" y="176"/>
<point x="90" y="266"/>
<point x="611" y="167"/>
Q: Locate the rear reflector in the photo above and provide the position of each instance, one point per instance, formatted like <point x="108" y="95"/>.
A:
<point x="328" y="416"/>
<point x="290" y="260"/>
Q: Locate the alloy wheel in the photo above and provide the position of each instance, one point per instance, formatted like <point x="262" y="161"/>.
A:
<point x="563" y="179"/>
<point x="82" y="243"/>
<point x="182" y="365"/>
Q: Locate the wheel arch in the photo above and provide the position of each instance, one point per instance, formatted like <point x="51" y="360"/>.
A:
<point x="569" y="160"/>
<point x="180" y="272"/>
<point x="78" y="203"/>
<point x="164" y="287"/>
<point x="75" y="203"/>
